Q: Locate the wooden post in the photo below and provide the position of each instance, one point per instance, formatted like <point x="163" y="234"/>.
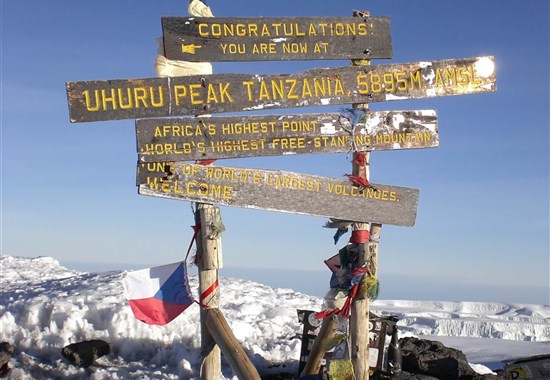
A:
<point x="317" y="353"/>
<point x="232" y="351"/>
<point x="359" y="320"/>
<point x="208" y="264"/>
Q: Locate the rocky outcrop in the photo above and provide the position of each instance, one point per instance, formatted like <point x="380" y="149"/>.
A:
<point x="432" y="358"/>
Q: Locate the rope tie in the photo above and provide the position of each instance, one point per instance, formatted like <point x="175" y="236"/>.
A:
<point x="359" y="236"/>
<point x="206" y="294"/>
<point x="360" y="159"/>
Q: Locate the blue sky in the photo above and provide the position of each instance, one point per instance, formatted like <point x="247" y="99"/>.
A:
<point x="68" y="190"/>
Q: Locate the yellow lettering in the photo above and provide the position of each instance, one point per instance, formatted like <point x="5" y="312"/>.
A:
<point x="211" y="94"/>
<point x="306" y="89"/>
<point x="202" y="31"/>
<point x="265" y="31"/>
<point x="295" y="47"/>
<point x="152" y="183"/>
<point x="389" y="82"/>
<point x="463" y="76"/>
<point x="312" y="31"/>
<point x="249" y="85"/>
<point x="180" y="91"/>
<point x="439" y="82"/>
<point x="264" y="91"/>
<point x="338" y="87"/>
<point x="241" y="30"/>
<point x="473" y="76"/>
<point x="87" y="99"/>
<point x="319" y="86"/>
<point x="130" y="103"/>
<point x="375" y="83"/>
<point x="416" y="79"/>
<point x="191" y="187"/>
<point x="363" y="84"/>
<point x="216" y="30"/>
<point x="224" y="93"/>
<point x="401" y="80"/>
<point x="320" y="47"/>
<point x="291" y="94"/>
<point x="194" y="94"/>
<point x="111" y="99"/>
<point x="159" y="103"/>
<point x="278" y="89"/>
<point x="450" y="74"/>
<point x="140" y="94"/>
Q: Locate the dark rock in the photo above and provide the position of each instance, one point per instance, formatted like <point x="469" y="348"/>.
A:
<point x="6" y="353"/>
<point x="432" y="358"/>
<point x="84" y="354"/>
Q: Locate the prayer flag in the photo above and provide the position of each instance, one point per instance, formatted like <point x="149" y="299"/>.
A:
<point x="158" y="295"/>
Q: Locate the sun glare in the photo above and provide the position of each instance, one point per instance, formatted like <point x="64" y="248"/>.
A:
<point x="485" y="67"/>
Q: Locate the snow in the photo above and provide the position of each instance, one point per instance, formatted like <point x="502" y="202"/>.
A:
<point x="45" y="307"/>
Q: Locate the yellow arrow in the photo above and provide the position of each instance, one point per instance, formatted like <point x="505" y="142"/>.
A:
<point x="189" y="48"/>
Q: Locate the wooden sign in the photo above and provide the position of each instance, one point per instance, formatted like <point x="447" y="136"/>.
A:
<point x="185" y="139"/>
<point x="210" y="39"/>
<point x="196" y="95"/>
<point x="279" y="191"/>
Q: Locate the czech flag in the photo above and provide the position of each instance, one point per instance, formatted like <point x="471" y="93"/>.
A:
<point x="158" y="295"/>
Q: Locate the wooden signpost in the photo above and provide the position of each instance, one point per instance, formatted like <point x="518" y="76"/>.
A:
<point x="161" y="142"/>
<point x="207" y="39"/>
<point x="279" y="191"/>
<point x="199" y="94"/>
<point x="185" y="139"/>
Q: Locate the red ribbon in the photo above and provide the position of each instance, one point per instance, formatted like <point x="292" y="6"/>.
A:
<point x="207" y="293"/>
<point x="346" y="309"/>
<point x="360" y="159"/>
<point x="196" y="228"/>
<point x="205" y="162"/>
<point x="359" y="236"/>
<point x="358" y="181"/>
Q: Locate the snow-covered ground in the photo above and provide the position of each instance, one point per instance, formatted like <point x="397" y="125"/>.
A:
<point x="45" y="307"/>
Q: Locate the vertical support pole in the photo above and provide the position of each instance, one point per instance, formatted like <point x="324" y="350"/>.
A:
<point x="317" y="352"/>
<point x="208" y="264"/>
<point x="359" y="320"/>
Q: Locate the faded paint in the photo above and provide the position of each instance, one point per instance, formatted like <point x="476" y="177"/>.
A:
<point x="328" y="129"/>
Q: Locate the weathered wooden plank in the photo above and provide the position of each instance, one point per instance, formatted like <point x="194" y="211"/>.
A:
<point x="196" y="95"/>
<point x="278" y="191"/>
<point x="184" y="139"/>
<point x="203" y="39"/>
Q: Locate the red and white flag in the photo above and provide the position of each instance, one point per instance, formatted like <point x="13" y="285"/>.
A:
<point x="158" y="295"/>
